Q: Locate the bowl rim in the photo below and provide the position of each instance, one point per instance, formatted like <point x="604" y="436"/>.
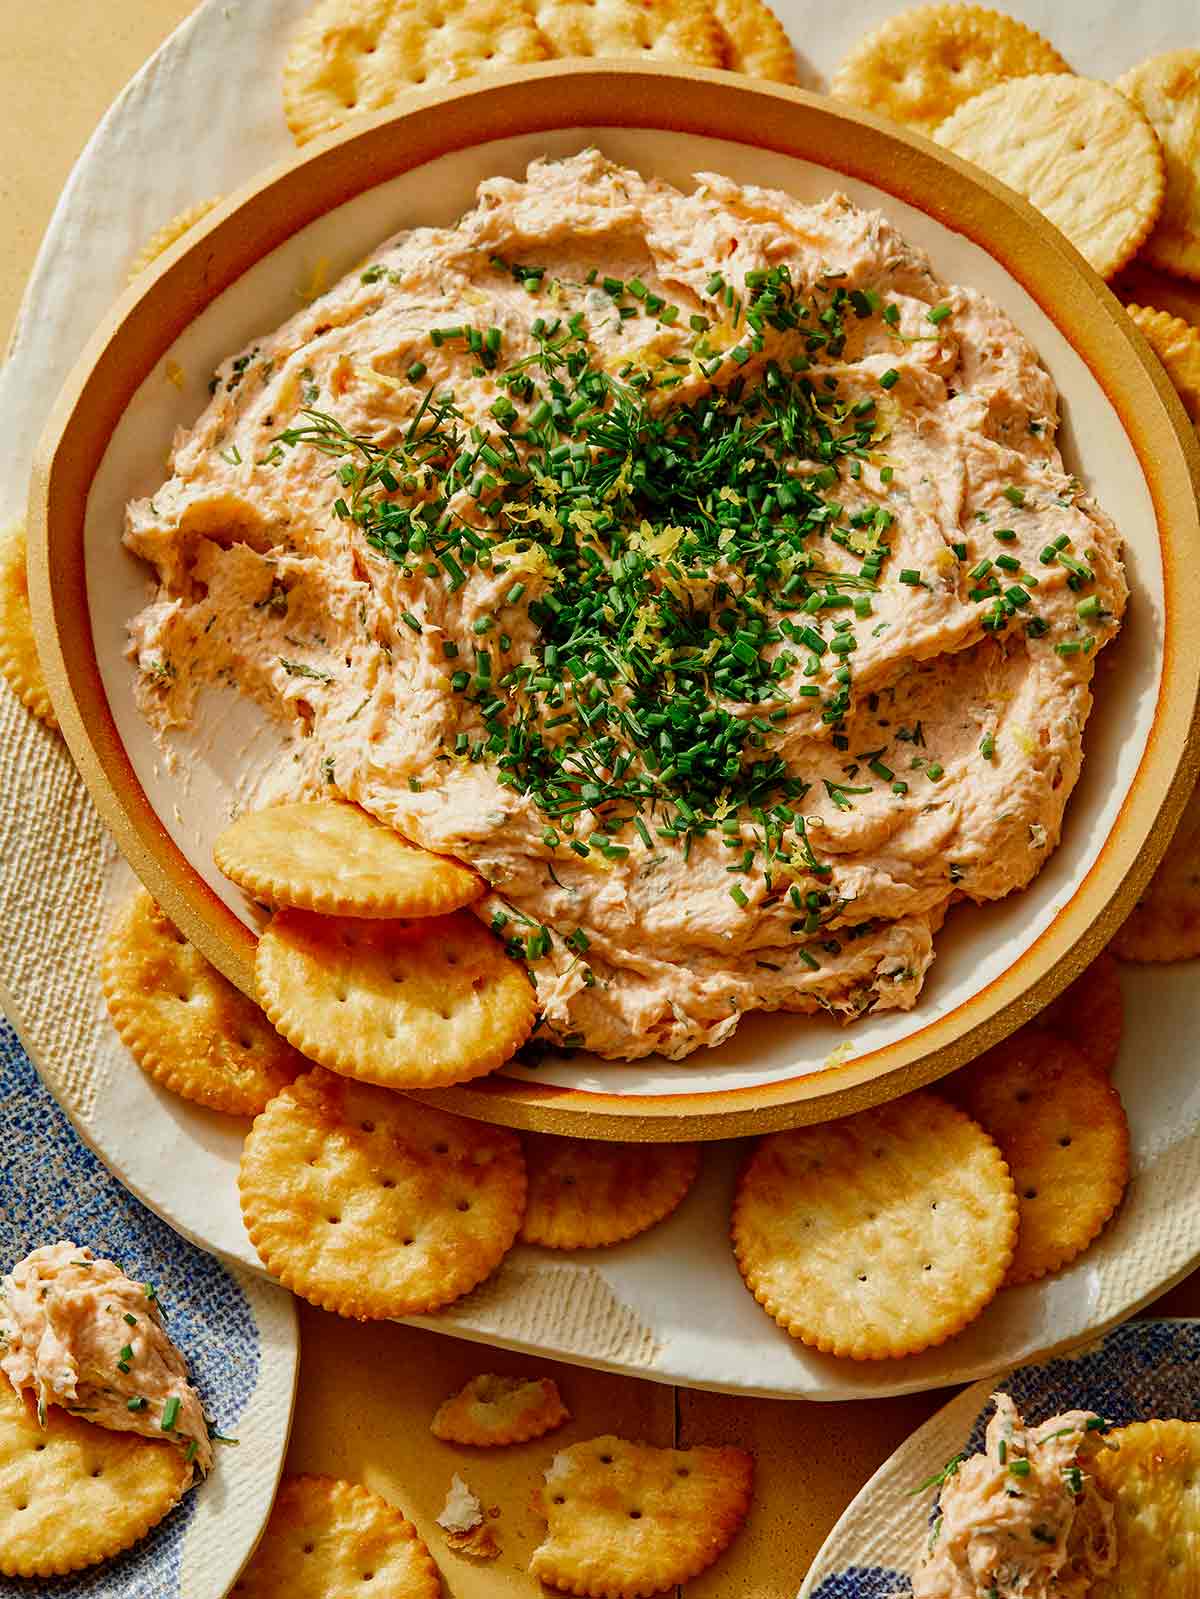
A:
<point x="690" y="101"/>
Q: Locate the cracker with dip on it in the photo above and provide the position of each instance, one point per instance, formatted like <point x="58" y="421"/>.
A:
<point x="1025" y="1516"/>
<point x="101" y="1430"/>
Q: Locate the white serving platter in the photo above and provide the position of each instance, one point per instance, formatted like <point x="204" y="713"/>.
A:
<point x="668" y="1306"/>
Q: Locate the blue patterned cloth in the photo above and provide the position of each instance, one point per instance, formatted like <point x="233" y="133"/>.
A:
<point x="52" y="1187"/>
<point x="1142" y="1369"/>
<point x="863" y="1582"/>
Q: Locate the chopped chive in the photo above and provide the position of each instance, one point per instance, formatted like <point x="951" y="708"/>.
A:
<point x="170" y="1414"/>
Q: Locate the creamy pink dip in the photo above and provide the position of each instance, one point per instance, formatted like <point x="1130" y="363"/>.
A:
<point x="1024" y="1519"/>
<point x="919" y="657"/>
<point x="75" y="1331"/>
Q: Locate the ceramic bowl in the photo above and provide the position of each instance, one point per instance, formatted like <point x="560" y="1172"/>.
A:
<point x="237" y="274"/>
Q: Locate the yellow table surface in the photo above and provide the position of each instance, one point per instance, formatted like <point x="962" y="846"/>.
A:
<point x="367" y="1392"/>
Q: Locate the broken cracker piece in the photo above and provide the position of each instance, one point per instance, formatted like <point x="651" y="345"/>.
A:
<point x="490" y="1411"/>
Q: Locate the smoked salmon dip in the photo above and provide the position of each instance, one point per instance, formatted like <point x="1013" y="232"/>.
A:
<point x="700" y="567"/>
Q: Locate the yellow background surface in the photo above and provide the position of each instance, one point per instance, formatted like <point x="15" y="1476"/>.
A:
<point x="367" y="1392"/>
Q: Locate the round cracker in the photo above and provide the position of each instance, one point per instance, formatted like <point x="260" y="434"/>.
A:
<point x="626" y="1519"/>
<point x="18" y="652"/>
<point x="1152" y="1481"/>
<point x="492" y="1411"/>
<point x="348" y="57"/>
<point x="754" y="41"/>
<point x="331" y="856"/>
<point x="187" y="1026"/>
<point x="400" y="1003"/>
<point x="72" y="1493"/>
<point x="1090" y="1013"/>
<point x="650" y="30"/>
<point x="1062" y="1129"/>
<point x="1077" y="149"/>
<point x="585" y="1193"/>
<point x="1165" y="923"/>
<point x="170" y="233"/>
<point x="1176" y="343"/>
<point x="327" y="1538"/>
<point x="1167" y="90"/>
<point x="878" y="1235"/>
<point x="373" y="1205"/>
<point x="919" y="66"/>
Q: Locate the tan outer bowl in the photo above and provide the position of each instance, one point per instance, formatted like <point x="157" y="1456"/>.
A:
<point x="143" y="325"/>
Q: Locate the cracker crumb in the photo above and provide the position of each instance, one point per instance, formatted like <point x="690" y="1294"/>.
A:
<point x="462" y="1521"/>
<point x="462" y="1511"/>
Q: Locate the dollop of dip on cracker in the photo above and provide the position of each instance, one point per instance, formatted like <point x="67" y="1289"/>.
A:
<point x="75" y="1331"/>
<point x="1025" y="1517"/>
<point x="698" y="567"/>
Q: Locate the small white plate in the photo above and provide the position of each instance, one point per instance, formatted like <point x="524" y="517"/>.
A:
<point x="1143" y="1370"/>
<point x="237" y="1333"/>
